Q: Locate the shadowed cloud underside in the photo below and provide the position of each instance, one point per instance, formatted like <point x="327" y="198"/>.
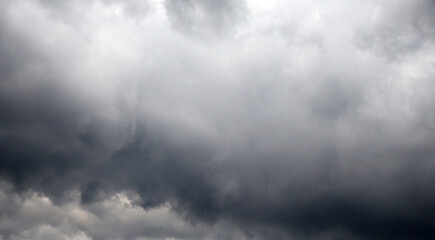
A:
<point x="232" y="119"/>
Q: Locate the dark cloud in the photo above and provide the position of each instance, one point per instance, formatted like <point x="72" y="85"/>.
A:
<point x="317" y="124"/>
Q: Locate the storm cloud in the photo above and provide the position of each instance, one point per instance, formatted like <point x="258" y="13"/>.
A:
<point x="232" y="119"/>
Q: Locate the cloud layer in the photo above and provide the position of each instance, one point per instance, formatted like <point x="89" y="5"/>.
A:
<point x="237" y="119"/>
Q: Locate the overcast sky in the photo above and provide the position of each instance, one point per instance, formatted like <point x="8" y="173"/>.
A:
<point x="217" y="119"/>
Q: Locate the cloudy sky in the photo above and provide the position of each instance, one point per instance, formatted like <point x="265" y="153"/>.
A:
<point x="217" y="119"/>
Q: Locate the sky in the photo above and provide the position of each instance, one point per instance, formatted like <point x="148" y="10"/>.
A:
<point x="222" y="120"/>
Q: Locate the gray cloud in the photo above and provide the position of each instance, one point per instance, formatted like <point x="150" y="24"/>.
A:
<point x="307" y="120"/>
<point x="400" y="30"/>
<point x="205" y="17"/>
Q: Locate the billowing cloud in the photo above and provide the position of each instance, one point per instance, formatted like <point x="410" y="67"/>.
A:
<point x="192" y="119"/>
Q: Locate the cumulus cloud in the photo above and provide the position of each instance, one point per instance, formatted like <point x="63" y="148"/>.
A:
<point x="34" y="216"/>
<point x="192" y="119"/>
